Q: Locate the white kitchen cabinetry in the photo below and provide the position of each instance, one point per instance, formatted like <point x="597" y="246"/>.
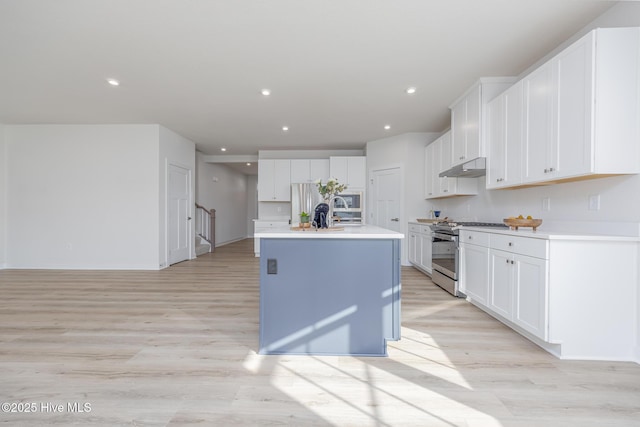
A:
<point x="274" y="180"/>
<point x="309" y="170"/>
<point x="504" y="138"/>
<point x="474" y="259"/>
<point x="420" y="246"/>
<point x="437" y="157"/>
<point x="518" y="281"/>
<point x="349" y="170"/>
<point x="430" y="168"/>
<point x="468" y="117"/>
<point x="260" y="225"/>
<point x="552" y="288"/>
<point x="415" y="249"/>
<point x="582" y="110"/>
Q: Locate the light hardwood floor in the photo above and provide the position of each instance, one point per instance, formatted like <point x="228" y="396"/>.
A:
<point x="178" y="347"/>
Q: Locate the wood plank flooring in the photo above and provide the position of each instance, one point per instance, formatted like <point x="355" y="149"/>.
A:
<point x="178" y="347"/>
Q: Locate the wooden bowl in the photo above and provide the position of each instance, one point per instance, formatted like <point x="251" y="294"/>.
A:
<point x="514" y="223"/>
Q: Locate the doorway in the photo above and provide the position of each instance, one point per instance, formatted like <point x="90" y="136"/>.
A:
<point x="386" y="192"/>
<point x="178" y="218"/>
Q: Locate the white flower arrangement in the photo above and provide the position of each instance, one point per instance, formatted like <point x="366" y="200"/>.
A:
<point x="330" y="189"/>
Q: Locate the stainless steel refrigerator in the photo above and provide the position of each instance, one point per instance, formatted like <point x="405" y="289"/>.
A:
<point x="304" y="197"/>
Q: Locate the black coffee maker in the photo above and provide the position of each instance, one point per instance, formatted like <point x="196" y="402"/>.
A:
<point x="320" y="216"/>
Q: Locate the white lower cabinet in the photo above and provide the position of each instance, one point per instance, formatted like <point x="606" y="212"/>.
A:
<point x="501" y="283"/>
<point x="420" y="246"/>
<point x="508" y="276"/>
<point x="264" y="225"/>
<point x="474" y="274"/>
<point x="517" y="290"/>
<point x="530" y="287"/>
<point x="553" y="289"/>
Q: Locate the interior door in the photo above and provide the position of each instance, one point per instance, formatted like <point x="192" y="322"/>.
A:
<point x="386" y="190"/>
<point x="178" y="216"/>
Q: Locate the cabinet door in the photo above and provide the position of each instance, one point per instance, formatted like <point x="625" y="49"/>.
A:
<point x="445" y="151"/>
<point x="338" y="167"/>
<point x="475" y="262"/>
<point x="496" y="153"/>
<point x="538" y="93"/>
<point x="530" y="287"/>
<point x="319" y="169"/>
<point x="266" y="180"/>
<point x="429" y="175"/>
<point x="501" y="283"/>
<point x="473" y="124"/>
<point x="513" y="136"/>
<point x="446" y="185"/>
<point x="282" y="180"/>
<point x="573" y="68"/>
<point x="413" y="243"/>
<point x="425" y="256"/>
<point x="458" y="133"/>
<point x="299" y="171"/>
<point x="357" y="172"/>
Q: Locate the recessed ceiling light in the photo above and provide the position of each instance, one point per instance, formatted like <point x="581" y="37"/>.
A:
<point x="411" y="90"/>
<point x="223" y="149"/>
<point x="113" y="82"/>
<point x="265" y="92"/>
<point x="248" y="164"/>
<point x="387" y="127"/>
<point x="285" y="128"/>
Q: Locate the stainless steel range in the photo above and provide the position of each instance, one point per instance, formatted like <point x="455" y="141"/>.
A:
<point x="444" y="262"/>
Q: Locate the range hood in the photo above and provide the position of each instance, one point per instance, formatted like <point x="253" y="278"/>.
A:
<point x="471" y="169"/>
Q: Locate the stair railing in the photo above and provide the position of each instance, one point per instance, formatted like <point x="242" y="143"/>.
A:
<point x="206" y="224"/>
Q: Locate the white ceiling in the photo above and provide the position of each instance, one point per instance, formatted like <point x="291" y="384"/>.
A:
<point x="337" y="69"/>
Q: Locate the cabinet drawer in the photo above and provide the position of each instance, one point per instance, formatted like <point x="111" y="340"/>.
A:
<point x="414" y="227"/>
<point x="474" y="238"/>
<point x="267" y="225"/>
<point x="520" y="245"/>
<point x="425" y="229"/>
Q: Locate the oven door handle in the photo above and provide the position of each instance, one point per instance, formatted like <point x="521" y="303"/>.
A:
<point x="447" y="237"/>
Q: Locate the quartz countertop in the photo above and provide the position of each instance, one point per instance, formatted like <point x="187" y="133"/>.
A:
<point x="552" y="234"/>
<point x="349" y="232"/>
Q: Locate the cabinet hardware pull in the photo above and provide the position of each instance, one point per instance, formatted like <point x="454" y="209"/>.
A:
<point x="510" y="244"/>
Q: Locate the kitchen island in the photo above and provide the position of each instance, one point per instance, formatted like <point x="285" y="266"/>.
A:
<point x="329" y="292"/>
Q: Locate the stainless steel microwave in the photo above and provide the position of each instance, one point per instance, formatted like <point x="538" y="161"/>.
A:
<point x="354" y="202"/>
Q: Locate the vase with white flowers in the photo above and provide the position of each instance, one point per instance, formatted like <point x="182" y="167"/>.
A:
<point x="330" y="189"/>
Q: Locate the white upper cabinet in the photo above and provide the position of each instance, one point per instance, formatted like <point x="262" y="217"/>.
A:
<point x="436" y="159"/>
<point x="582" y="110"/>
<point x="538" y="143"/>
<point x="309" y="170"/>
<point x="468" y="116"/>
<point x="504" y="137"/>
<point x="430" y="167"/>
<point x="349" y="170"/>
<point x="274" y="180"/>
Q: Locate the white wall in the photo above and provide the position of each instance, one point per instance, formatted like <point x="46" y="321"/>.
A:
<point x="82" y="197"/>
<point x="227" y="195"/>
<point x="179" y="151"/>
<point x="3" y="201"/>
<point x="407" y="151"/>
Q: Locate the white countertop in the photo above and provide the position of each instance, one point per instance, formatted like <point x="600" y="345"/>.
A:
<point x="349" y="232"/>
<point x="552" y="234"/>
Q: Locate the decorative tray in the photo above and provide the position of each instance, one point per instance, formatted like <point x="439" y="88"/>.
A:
<point x="427" y="220"/>
<point x="313" y="229"/>
<point x="514" y="223"/>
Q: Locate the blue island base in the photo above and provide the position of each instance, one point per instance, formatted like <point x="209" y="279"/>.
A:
<point x="329" y="296"/>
